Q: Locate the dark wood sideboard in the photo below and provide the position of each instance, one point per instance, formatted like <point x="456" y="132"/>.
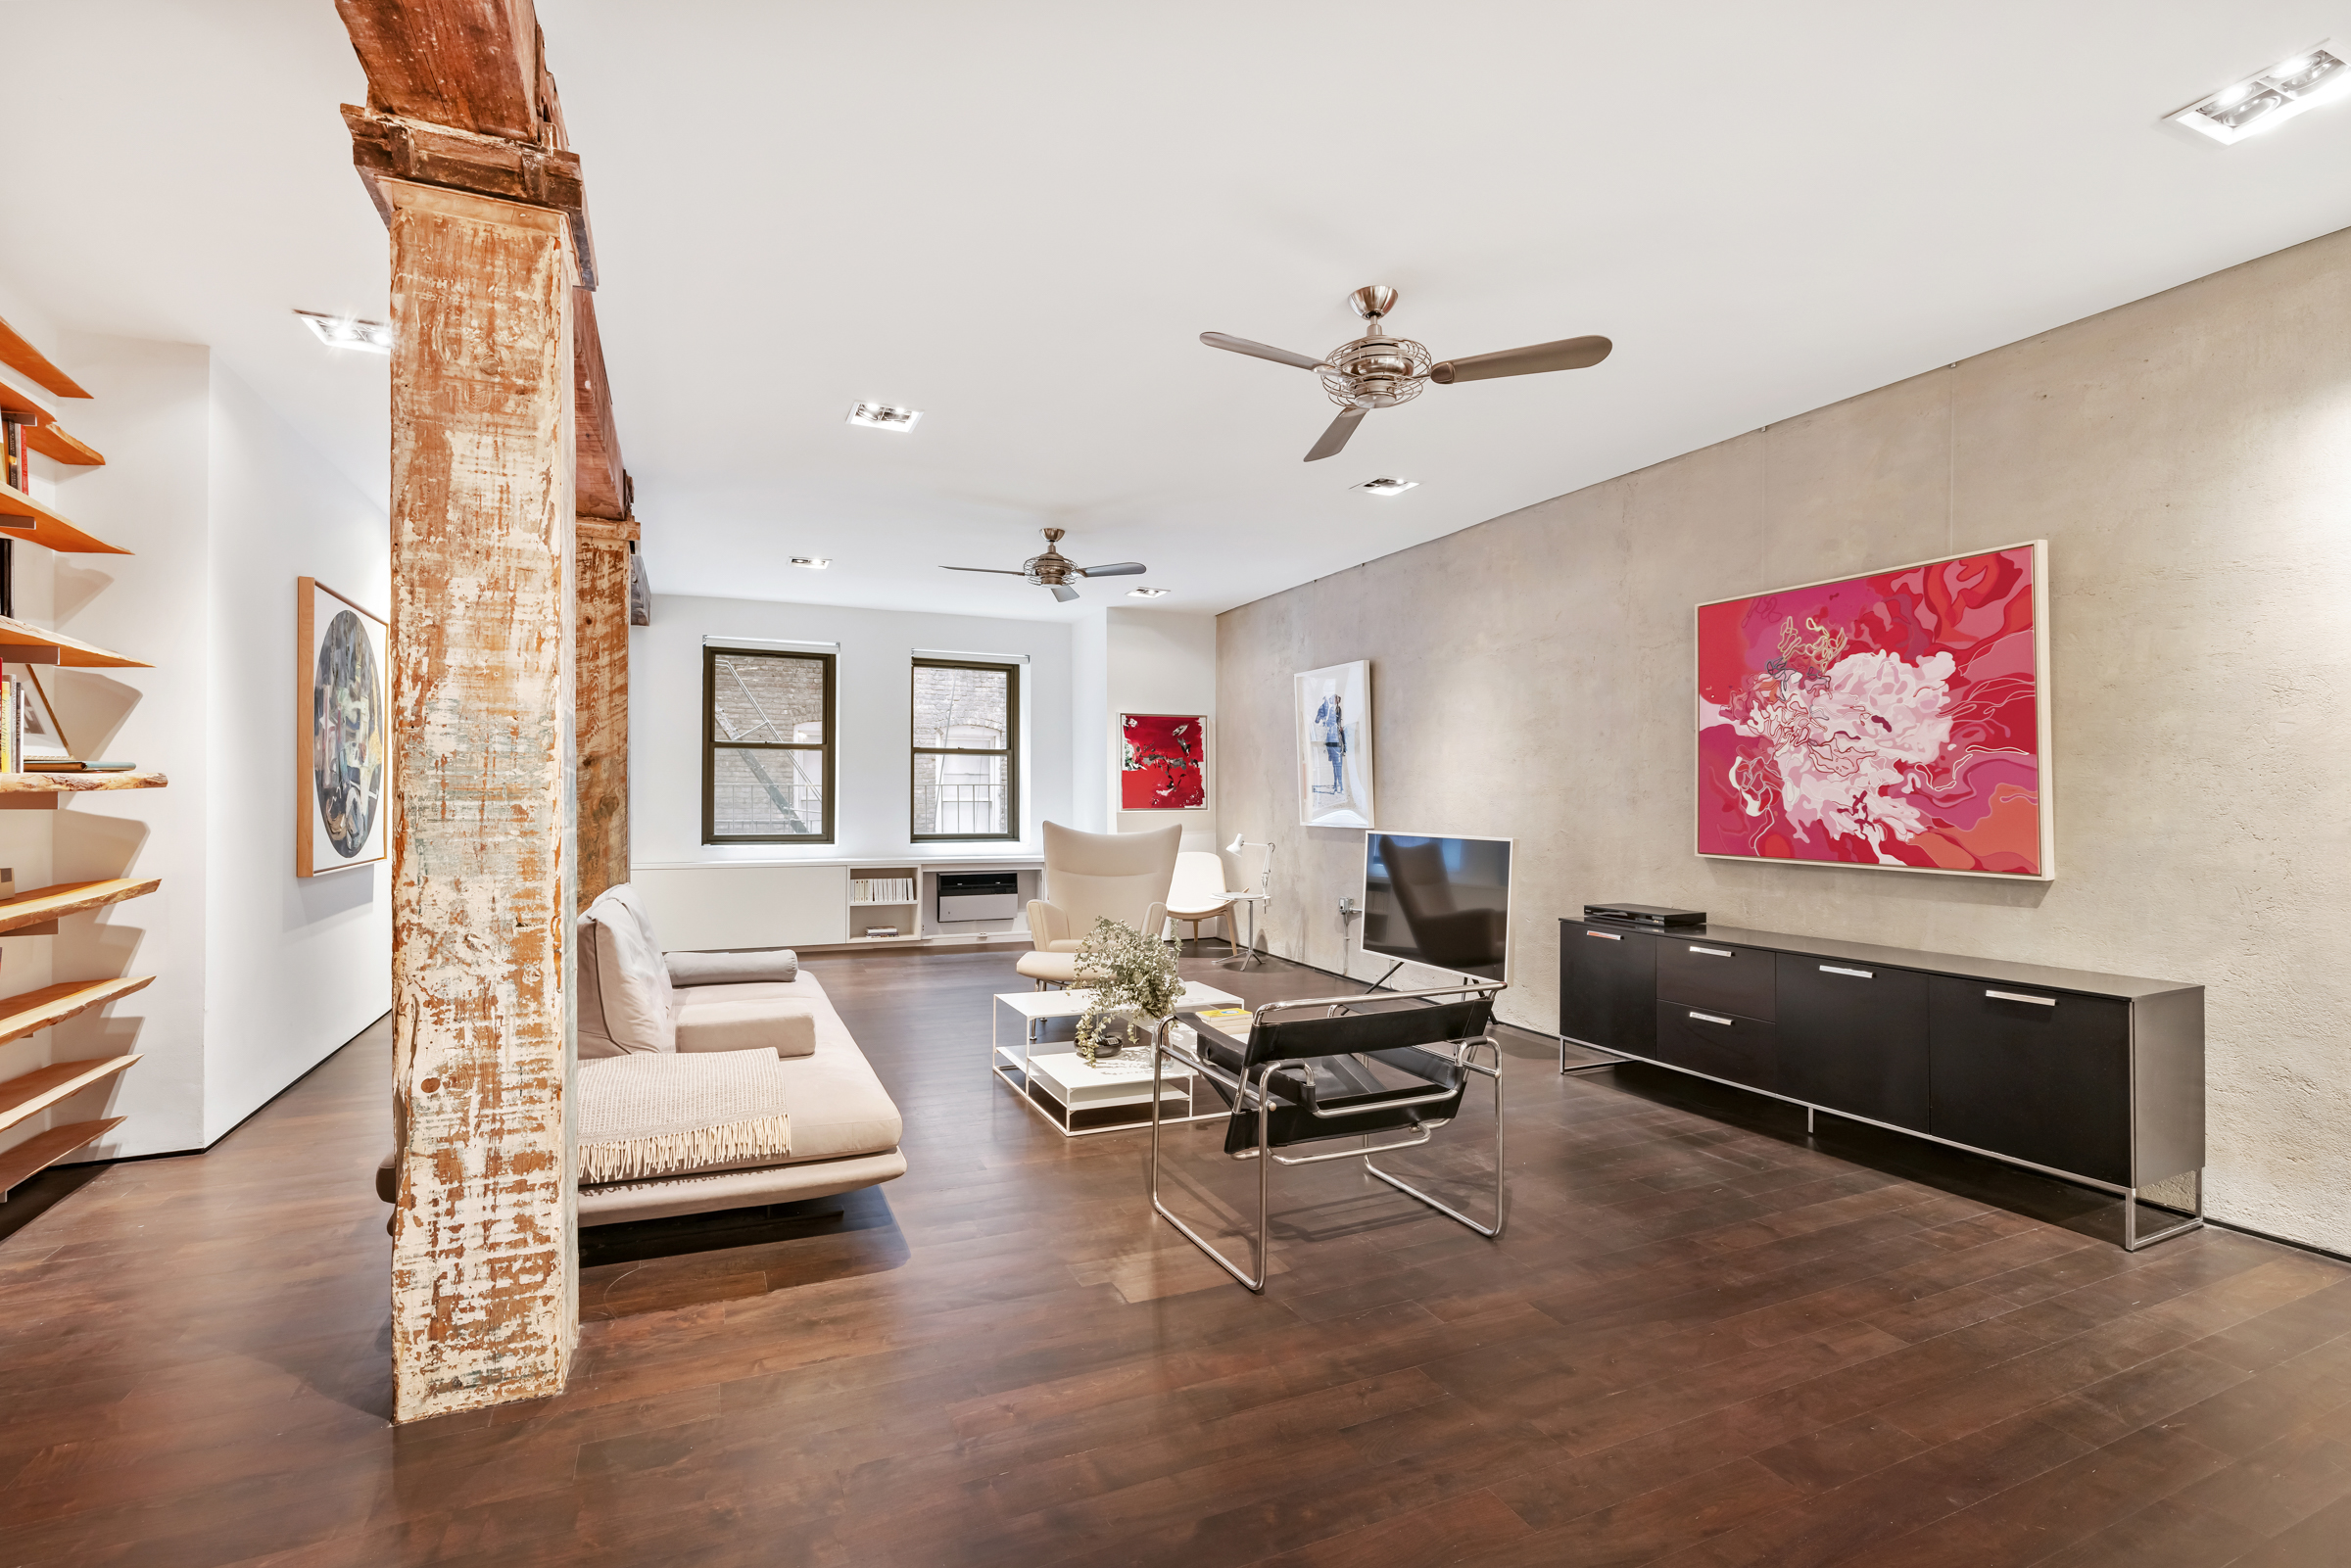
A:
<point x="2098" y="1078"/>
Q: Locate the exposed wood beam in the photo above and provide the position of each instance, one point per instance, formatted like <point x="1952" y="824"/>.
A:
<point x="470" y="64"/>
<point x="600" y="678"/>
<point x="386" y="146"/>
<point x="602" y="487"/>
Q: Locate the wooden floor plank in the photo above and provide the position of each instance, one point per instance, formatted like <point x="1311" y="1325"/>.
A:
<point x="1705" y="1341"/>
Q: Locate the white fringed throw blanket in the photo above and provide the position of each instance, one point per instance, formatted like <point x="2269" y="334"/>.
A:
<point x="658" y="1113"/>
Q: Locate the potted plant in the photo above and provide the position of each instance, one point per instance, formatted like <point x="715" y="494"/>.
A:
<point x="1134" y="982"/>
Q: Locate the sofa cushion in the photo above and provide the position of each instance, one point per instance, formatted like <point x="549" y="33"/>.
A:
<point x="626" y="1004"/>
<point x="786" y="1025"/>
<point x="653" y="1114"/>
<point x="839" y="1106"/>
<point x="773" y="964"/>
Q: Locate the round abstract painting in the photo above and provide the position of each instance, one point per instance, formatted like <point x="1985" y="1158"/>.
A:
<point x="347" y="718"/>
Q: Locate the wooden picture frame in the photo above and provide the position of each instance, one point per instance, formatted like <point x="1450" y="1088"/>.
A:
<point x="342" y="751"/>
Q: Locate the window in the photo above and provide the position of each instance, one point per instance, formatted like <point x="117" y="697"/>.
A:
<point x="767" y="747"/>
<point x="967" y="727"/>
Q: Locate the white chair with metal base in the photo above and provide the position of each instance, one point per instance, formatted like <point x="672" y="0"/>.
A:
<point x="1396" y="1073"/>
<point x="1198" y="894"/>
<point x="1091" y="877"/>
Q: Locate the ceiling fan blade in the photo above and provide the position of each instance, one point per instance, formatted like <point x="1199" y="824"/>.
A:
<point x="1064" y="592"/>
<point x="1568" y="354"/>
<point x="1114" y="569"/>
<point x="1226" y="340"/>
<point x="1336" y="436"/>
<point x="998" y="570"/>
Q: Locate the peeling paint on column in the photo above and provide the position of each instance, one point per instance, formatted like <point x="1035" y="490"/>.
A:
<point x="484" y="1305"/>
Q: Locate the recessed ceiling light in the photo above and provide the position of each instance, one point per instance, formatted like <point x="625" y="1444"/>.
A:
<point x="1146" y="593"/>
<point x="2271" y="98"/>
<point x="814" y="563"/>
<point x="1387" y="487"/>
<point x="348" y="332"/>
<point x="884" y="416"/>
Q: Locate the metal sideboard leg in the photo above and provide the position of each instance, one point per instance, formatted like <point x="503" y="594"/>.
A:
<point x="2132" y="1240"/>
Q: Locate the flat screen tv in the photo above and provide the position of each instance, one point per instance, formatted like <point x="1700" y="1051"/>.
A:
<point x="1443" y="902"/>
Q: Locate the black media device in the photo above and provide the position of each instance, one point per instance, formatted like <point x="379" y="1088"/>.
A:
<point x="1645" y="915"/>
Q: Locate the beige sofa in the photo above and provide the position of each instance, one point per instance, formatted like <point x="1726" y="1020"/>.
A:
<point x="712" y="1080"/>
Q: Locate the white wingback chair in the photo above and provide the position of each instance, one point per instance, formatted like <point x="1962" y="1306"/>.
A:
<point x="1091" y="877"/>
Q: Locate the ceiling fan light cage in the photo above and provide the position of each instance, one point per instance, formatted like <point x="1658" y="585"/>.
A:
<point x="1376" y="372"/>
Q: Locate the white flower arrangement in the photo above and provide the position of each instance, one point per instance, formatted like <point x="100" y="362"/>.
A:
<point x="1132" y="977"/>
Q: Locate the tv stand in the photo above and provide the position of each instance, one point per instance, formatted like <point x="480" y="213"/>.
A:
<point x="2096" y="1078"/>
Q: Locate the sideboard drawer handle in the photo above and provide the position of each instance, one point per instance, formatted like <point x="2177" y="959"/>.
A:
<point x="1858" y="974"/>
<point x="1709" y="1017"/>
<point x="1712" y="952"/>
<point x="2019" y="996"/>
<point x="1606" y="936"/>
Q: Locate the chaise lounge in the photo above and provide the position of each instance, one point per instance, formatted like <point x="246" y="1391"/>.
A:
<point x="712" y="1080"/>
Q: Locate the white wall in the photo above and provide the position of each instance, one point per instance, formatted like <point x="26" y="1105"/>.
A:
<point x="293" y="966"/>
<point x="1091" y="777"/>
<point x="1160" y="661"/>
<point x="150" y="415"/>
<point x="258" y="974"/>
<point x="872" y="710"/>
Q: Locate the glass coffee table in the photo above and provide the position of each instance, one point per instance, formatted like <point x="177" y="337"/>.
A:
<point x="1114" y="1095"/>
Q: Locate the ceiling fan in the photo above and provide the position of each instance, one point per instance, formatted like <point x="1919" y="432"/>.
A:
<point x="1377" y="371"/>
<point x="1057" y="571"/>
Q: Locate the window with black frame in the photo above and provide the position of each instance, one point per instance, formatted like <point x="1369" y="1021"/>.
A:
<point x="967" y="725"/>
<point x="767" y="747"/>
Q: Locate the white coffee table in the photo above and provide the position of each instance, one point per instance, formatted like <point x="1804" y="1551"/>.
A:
<point x="1058" y="1086"/>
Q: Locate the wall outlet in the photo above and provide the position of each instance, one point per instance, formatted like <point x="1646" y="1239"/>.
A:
<point x="1347" y="907"/>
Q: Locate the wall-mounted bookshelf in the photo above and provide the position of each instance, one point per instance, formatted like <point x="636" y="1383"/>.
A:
<point x="28" y="521"/>
<point x="77" y="783"/>
<point x="29" y="423"/>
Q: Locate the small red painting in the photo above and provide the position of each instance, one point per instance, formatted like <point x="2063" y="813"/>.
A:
<point x="1163" y="762"/>
<point x="1895" y="720"/>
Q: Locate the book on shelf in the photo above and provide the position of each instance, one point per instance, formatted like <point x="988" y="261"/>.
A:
<point x="881" y="889"/>
<point x="881" y="931"/>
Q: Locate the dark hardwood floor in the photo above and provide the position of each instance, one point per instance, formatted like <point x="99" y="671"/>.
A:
<point x="1701" y="1343"/>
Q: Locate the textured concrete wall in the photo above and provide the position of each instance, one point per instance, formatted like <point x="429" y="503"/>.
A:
<point x="2188" y="458"/>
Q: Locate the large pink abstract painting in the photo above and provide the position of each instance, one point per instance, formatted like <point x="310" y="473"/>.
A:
<point x="1897" y="719"/>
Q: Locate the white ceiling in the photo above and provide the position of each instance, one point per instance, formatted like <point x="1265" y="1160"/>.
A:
<point x="1017" y="217"/>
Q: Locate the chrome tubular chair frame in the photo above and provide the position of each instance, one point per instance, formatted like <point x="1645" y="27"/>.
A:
<point x="1250" y="1089"/>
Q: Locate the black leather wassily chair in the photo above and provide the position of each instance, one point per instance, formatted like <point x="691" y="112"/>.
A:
<point x="1394" y="1075"/>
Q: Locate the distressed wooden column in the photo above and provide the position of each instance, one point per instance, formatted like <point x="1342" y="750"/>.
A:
<point x="603" y="703"/>
<point x="484" y="1305"/>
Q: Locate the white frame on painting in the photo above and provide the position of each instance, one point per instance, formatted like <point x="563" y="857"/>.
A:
<point x="2044" y="752"/>
<point x="1331" y="743"/>
<point x="318" y="609"/>
<point x="1119" y="766"/>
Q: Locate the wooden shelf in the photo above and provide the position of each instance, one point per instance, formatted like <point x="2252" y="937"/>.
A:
<point x="16" y="400"/>
<point x="21" y="1015"/>
<point x="43" y="1150"/>
<point x="28" y="360"/>
<point x="36" y="1091"/>
<point x="51" y="441"/>
<point x="71" y="652"/>
<point x="45" y="904"/>
<point x="72" y="784"/>
<point x="49" y="528"/>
